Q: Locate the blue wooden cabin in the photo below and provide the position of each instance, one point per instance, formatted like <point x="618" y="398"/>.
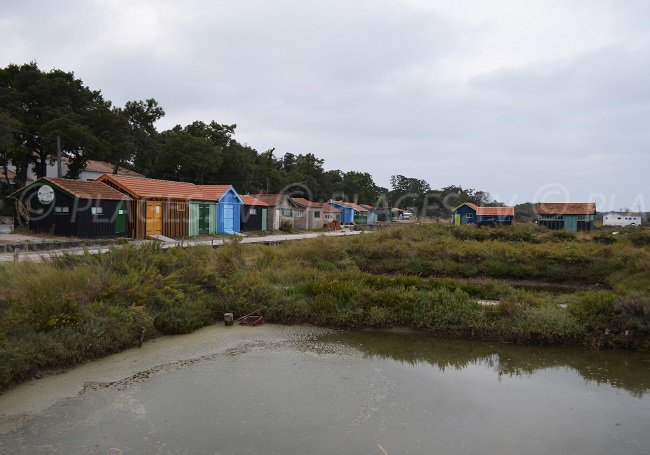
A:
<point x="469" y="213"/>
<point x="347" y="213"/>
<point x="229" y="204"/>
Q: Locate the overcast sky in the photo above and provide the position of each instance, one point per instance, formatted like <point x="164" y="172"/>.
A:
<point x="529" y="100"/>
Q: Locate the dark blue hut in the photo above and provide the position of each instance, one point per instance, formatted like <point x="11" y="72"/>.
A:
<point x="469" y="213"/>
<point x="79" y="208"/>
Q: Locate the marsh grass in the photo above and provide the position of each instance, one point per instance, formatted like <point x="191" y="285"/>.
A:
<point x="74" y="309"/>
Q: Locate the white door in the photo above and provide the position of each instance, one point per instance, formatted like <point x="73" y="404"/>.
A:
<point x="276" y="220"/>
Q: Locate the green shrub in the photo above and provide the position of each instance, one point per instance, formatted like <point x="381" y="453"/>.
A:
<point x="594" y="310"/>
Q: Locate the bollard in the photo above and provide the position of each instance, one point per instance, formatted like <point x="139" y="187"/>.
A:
<point x="16" y="254"/>
<point x="228" y="319"/>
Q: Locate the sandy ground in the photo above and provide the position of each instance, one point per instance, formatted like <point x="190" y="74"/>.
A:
<point x="31" y="398"/>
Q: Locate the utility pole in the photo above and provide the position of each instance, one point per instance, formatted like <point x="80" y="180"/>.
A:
<point x="59" y="171"/>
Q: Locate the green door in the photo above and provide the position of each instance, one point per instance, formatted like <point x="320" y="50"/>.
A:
<point x="120" y="220"/>
<point x="264" y="216"/>
<point x="457" y="219"/>
<point x="204" y="219"/>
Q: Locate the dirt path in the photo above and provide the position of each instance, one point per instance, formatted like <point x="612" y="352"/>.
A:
<point x="269" y="239"/>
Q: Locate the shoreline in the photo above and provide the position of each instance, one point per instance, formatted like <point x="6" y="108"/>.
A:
<point x="29" y="398"/>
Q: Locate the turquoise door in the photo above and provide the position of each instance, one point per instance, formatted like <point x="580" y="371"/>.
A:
<point x="228" y="218"/>
<point x="264" y="217"/>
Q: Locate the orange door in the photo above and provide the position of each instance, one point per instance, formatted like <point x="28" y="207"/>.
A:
<point x="154" y="218"/>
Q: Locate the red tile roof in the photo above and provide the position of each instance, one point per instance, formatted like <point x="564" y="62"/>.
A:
<point x="565" y="208"/>
<point x="87" y="189"/>
<point x="356" y="207"/>
<point x="271" y="199"/>
<point x="144" y="188"/>
<point x="107" y="168"/>
<point x="306" y="203"/>
<point x="468" y="204"/>
<point x="495" y="211"/>
<point x="214" y="192"/>
<point x="250" y="200"/>
<point x="330" y="209"/>
<point x="315" y="205"/>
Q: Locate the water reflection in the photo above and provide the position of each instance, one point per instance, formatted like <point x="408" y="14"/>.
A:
<point x="625" y="370"/>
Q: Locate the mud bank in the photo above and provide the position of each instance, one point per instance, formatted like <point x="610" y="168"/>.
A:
<point x="138" y="365"/>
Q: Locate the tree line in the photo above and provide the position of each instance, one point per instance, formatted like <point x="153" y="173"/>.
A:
<point x="38" y="107"/>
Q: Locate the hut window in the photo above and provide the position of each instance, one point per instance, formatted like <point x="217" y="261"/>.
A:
<point x="469" y="215"/>
<point x="180" y="208"/>
<point x="61" y="209"/>
<point x="329" y="216"/>
<point x="298" y="214"/>
<point x="286" y="212"/>
<point x="97" y="210"/>
<point x="317" y="214"/>
<point x="252" y="211"/>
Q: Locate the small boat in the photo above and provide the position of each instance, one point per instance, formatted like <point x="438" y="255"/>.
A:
<point x="251" y="319"/>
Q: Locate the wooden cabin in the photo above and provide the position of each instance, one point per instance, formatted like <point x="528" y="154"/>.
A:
<point x="372" y="216"/>
<point x="254" y="214"/>
<point x="76" y="208"/>
<point x="570" y="216"/>
<point x="347" y="212"/>
<point x="161" y="207"/>
<point x="469" y="213"/>
<point x="281" y="209"/>
<point x="228" y="207"/>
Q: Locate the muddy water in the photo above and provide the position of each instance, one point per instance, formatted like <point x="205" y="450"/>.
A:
<point x="296" y="390"/>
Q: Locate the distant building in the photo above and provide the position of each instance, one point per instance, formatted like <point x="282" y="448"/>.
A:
<point x="469" y="213"/>
<point x="93" y="170"/>
<point x="570" y="216"/>
<point x="621" y="219"/>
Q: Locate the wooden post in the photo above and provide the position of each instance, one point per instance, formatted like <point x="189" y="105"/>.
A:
<point x="16" y="254"/>
<point x="228" y="319"/>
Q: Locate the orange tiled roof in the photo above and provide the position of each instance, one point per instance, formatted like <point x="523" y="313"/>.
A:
<point x="214" y="192"/>
<point x="352" y="205"/>
<point x="144" y="188"/>
<point x="88" y="189"/>
<point x="495" y="211"/>
<point x="468" y="204"/>
<point x="565" y="208"/>
<point x="306" y="203"/>
<point x="270" y="199"/>
<point x="330" y="209"/>
<point x="316" y="205"/>
<point x="250" y="200"/>
<point x="356" y="207"/>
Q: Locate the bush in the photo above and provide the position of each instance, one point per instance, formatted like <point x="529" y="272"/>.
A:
<point x="286" y="226"/>
<point x="640" y="237"/>
<point x="594" y="310"/>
